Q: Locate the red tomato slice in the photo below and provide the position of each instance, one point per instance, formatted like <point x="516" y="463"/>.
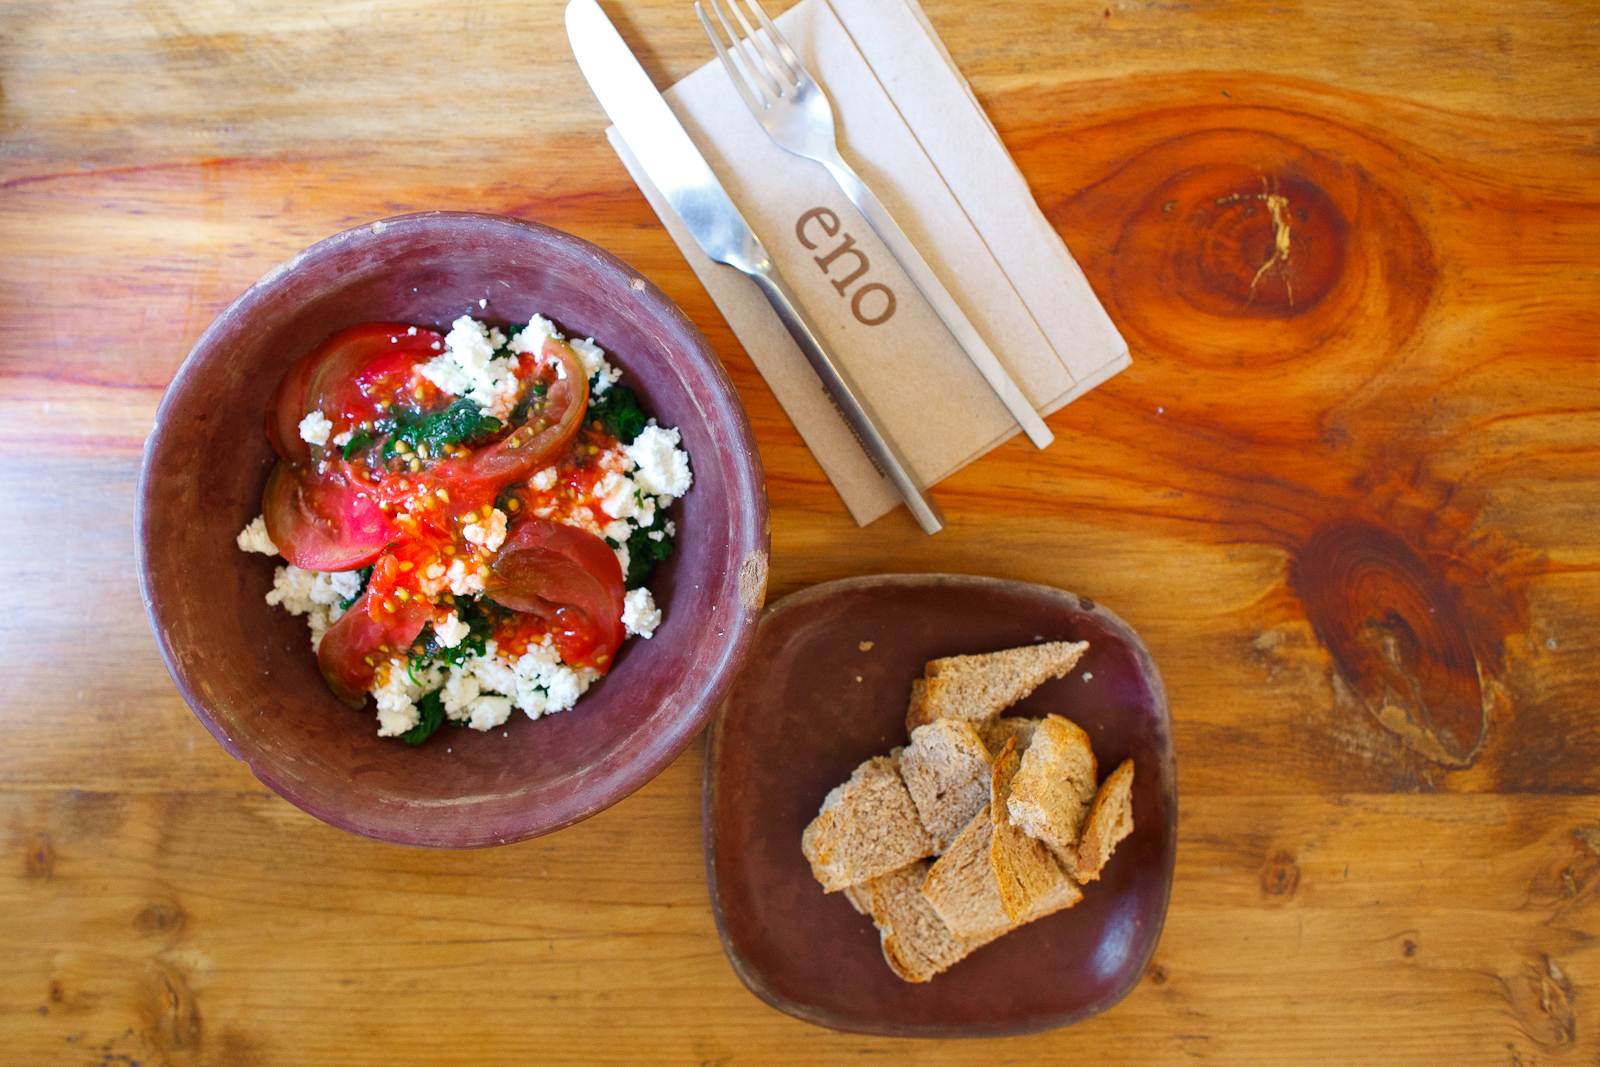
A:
<point x="572" y="580"/>
<point x="354" y="645"/>
<point x="286" y="409"/>
<point x="546" y="434"/>
<point x="323" y="522"/>
<point x="337" y="379"/>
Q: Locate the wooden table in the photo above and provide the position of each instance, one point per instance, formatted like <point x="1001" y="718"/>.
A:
<point x="1349" y="492"/>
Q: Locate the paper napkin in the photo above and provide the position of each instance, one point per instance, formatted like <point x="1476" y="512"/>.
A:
<point x="910" y="126"/>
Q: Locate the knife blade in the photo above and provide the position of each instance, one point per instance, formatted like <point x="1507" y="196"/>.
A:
<point x="680" y="172"/>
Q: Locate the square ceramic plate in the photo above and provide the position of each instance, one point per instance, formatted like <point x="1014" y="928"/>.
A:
<point x="825" y="687"/>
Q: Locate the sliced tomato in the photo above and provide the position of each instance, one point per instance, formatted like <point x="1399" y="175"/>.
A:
<point x="360" y="640"/>
<point x="285" y="410"/>
<point x="548" y="431"/>
<point x="346" y="377"/>
<point x="323" y="522"/>
<point x="572" y="580"/>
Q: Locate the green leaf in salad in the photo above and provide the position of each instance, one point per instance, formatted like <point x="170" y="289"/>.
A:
<point x="461" y="422"/>
<point x="618" y="412"/>
<point x="356" y="444"/>
<point x="431" y="709"/>
<point x="644" y="553"/>
<point x="480" y="623"/>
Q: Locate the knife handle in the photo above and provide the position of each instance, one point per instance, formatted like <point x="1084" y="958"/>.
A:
<point x="939" y="298"/>
<point x="846" y="397"/>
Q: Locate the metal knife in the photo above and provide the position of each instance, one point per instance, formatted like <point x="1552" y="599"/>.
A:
<point x="673" y="163"/>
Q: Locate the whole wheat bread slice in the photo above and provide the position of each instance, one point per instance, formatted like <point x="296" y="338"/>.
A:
<point x="996" y="732"/>
<point x="946" y="770"/>
<point x="867" y="827"/>
<point x="977" y="688"/>
<point x="1053" y="788"/>
<point x="1031" y="882"/>
<point x="916" y="942"/>
<point x="962" y="886"/>
<point x="1109" y="821"/>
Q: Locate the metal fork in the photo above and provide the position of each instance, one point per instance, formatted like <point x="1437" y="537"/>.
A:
<point x="795" y="112"/>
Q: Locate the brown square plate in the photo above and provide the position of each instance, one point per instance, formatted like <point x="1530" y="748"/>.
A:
<point x="813" y="700"/>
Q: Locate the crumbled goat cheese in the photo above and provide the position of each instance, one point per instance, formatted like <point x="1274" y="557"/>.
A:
<point x="397" y="709"/>
<point x="663" y="468"/>
<point x="462" y="581"/>
<point x="468" y="368"/>
<point x="314" y="594"/>
<point x="639" y="613"/>
<point x="344" y="438"/>
<point x="601" y="375"/>
<point x="450" y="631"/>
<point x="490" y="533"/>
<point x="254" y="538"/>
<point x="533" y="337"/>
<point x="537" y="682"/>
<point x="315" y="428"/>
<point x="545" y="480"/>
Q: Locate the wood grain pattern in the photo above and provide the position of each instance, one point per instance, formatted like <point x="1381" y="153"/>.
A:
<point x="1348" y="493"/>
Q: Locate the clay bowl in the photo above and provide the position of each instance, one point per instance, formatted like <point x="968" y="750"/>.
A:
<point x="826" y="687"/>
<point x="247" y="669"/>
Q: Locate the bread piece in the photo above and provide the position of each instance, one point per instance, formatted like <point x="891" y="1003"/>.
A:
<point x="962" y="886"/>
<point x="1054" y="787"/>
<point x="946" y="770"/>
<point x="977" y="688"/>
<point x="1109" y="821"/>
<point x="867" y="827"/>
<point x="996" y="732"/>
<point x="916" y="942"/>
<point x="1031" y="882"/>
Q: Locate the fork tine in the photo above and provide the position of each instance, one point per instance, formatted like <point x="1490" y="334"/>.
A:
<point x="792" y="60"/>
<point x="776" y="64"/>
<point x="741" y="81"/>
<point x="755" y="72"/>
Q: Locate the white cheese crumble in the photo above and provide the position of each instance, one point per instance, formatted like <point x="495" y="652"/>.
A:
<point x="315" y="428"/>
<point x="254" y="538"/>
<point x="663" y="467"/>
<point x="314" y="594"/>
<point x="450" y="631"/>
<point x="490" y="533"/>
<point x="639" y="613"/>
<point x="468" y="368"/>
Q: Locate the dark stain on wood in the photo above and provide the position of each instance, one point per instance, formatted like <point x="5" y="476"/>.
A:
<point x="159" y="918"/>
<point x="41" y="857"/>
<point x="170" y="1012"/>
<point x="1542" y="1001"/>
<point x="1397" y="635"/>
<point x="1280" y="875"/>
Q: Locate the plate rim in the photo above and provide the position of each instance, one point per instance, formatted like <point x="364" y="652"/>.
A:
<point x="753" y="979"/>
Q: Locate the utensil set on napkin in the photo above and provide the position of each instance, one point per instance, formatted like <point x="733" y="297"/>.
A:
<point x="933" y="416"/>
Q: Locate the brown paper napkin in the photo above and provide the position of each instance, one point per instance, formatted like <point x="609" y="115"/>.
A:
<point x="910" y="126"/>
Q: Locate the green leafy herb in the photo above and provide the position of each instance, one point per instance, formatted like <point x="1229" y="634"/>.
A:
<point x="356" y="444"/>
<point x="461" y="421"/>
<point x="643" y="555"/>
<point x="618" y="412"/>
<point x="432" y="714"/>
<point x="479" y="622"/>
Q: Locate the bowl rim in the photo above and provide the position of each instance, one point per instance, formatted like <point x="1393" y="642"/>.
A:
<point x="645" y="760"/>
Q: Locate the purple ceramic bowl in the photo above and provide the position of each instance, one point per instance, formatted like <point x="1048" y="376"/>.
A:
<point x="247" y="669"/>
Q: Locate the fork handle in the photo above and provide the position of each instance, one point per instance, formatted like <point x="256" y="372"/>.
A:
<point x="944" y="305"/>
<point x="858" y="415"/>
